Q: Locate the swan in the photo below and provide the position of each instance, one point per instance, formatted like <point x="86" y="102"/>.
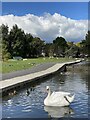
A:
<point x="58" y="98"/>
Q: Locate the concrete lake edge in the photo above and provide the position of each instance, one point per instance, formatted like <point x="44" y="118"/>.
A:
<point x="8" y="84"/>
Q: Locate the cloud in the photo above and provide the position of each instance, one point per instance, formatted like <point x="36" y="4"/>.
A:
<point x="48" y="26"/>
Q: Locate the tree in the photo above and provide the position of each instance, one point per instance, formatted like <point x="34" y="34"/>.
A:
<point x="87" y="38"/>
<point x="16" y="41"/>
<point x="60" y="45"/>
<point x="0" y="44"/>
<point x="5" y="42"/>
<point x="73" y="49"/>
<point x="28" y="45"/>
<point x="70" y="44"/>
<point x="37" y="46"/>
<point x="85" y="44"/>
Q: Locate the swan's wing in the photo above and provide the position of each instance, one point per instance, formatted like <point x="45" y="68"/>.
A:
<point x="63" y="93"/>
<point x="57" y="99"/>
<point x="55" y="96"/>
<point x="59" y="94"/>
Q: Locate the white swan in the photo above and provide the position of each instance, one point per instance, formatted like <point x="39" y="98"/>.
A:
<point x="58" y="98"/>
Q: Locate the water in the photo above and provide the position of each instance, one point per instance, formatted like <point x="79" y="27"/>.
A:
<point x="75" y="80"/>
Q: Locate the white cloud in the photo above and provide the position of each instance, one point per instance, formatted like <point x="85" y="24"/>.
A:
<point x="48" y="26"/>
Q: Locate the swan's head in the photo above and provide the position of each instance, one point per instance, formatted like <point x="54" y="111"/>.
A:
<point x="47" y="88"/>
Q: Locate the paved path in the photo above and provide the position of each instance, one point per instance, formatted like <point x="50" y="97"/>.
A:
<point x="29" y="77"/>
<point x="34" y="69"/>
<point x="15" y="81"/>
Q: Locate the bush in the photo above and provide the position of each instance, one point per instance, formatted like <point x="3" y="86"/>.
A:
<point x="6" y="56"/>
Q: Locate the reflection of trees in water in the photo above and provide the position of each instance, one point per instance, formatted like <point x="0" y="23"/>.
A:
<point x="60" y="78"/>
<point x="82" y="70"/>
<point x="78" y="68"/>
<point x="58" y="112"/>
<point x="57" y="81"/>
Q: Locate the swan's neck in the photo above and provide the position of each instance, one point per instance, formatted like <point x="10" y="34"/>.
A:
<point x="49" y="93"/>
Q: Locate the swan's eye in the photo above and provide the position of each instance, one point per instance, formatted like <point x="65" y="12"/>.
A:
<point x="47" y="88"/>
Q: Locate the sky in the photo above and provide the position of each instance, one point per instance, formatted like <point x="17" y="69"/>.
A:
<point x="48" y="20"/>
<point x="75" y="10"/>
<point x="46" y="0"/>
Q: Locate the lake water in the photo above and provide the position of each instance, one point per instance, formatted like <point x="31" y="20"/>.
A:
<point x="75" y="80"/>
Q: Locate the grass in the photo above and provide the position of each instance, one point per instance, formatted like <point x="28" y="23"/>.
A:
<point x="15" y="65"/>
<point x="0" y="66"/>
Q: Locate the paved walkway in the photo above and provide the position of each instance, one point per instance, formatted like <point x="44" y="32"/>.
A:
<point x="18" y="80"/>
<point x="34" y="69"/>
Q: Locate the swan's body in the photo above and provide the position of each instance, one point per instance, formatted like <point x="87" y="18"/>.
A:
<point x="58" y="98"/>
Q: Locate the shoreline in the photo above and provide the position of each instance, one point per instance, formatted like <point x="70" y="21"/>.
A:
<point x="16" y="82"/>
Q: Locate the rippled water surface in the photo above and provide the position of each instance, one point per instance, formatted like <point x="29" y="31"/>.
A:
<point x="75" y="80"/>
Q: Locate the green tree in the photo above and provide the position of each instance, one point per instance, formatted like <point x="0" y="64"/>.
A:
<point x="28" y="45"/>
<point x="37" y="46"/>
<point x="73" y="49"/>
<point x="87" y="38"/>
<point x="0" y="44"/>
<point x="16" y="41"/>
<point x="60" y="45"/>
<point x="49" y="50"/>
<point x="85" y="44"/>
<point x="5" y="42"/>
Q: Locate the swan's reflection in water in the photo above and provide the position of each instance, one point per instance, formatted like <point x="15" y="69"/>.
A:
<point x="58" y="112"/>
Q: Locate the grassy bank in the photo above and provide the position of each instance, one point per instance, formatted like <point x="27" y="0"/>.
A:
<point x="14" y="65"/>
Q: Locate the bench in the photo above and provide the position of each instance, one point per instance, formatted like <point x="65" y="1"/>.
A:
<point x="17" y="58"/>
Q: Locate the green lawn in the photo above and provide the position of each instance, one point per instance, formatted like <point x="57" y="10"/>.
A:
<point x="12" y="65"/>
<point x="0" y="66"/>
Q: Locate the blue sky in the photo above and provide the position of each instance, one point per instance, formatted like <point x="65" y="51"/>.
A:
<point x="74" y="10"/>
<point x="48" y="20"/>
